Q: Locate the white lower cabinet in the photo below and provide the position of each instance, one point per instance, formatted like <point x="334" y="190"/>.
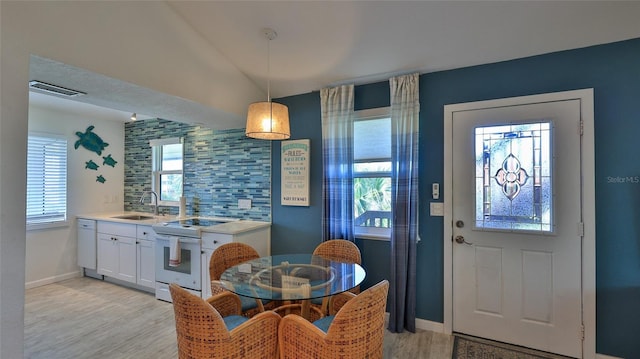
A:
<point x="126" y="252"/>
<point x="127" y="259"/>
<point x="146" y="263"/>
<point x="117" y="257"/>
<point x="108" y="261"/>
<point x="206" y="279"/>
<point x="117" y="250"/>
<point x="210" y="242"/>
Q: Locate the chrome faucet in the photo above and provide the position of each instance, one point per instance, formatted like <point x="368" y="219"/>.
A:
<point x="155" y="204"/>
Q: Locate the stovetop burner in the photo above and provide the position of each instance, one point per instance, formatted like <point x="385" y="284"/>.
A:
<point x="200" y="222"/>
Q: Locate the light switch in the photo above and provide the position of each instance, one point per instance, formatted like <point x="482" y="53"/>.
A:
<point x="436" y="209"/>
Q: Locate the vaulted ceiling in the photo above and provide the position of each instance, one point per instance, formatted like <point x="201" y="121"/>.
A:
<point x="323" y="43"/>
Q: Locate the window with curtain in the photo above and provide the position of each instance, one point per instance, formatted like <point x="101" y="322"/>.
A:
<point x="46" y="180"/>
<point x="372" y="173"/>
<point x="167" y="158"/>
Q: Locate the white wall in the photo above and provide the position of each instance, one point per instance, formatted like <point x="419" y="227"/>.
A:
<point x="141" y="42"/>
<point x="51" y="253"/>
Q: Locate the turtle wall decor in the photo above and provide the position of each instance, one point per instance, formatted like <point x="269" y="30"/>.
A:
<point x="94" y="143"/>
<point x="90" y="140"/>
<point x="109" y="161"/>
<point x="91" y="165"/>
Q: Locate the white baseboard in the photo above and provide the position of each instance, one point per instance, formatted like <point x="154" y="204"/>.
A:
<point x="602" y="356"/>
<point x="49" y="280"/>
<point x="427" y="325"/>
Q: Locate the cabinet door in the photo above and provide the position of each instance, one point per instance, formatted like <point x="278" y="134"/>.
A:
<point x="127" y="259"/>
<point x="206" y="281"/>
<point x="146" y="273"/>
<point x="107" y="255"/>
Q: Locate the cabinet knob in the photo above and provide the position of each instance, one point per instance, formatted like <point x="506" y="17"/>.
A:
<point x="144" y="233"/>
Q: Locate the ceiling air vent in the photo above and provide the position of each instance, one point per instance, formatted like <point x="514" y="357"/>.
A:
<point x="54" y="89"/>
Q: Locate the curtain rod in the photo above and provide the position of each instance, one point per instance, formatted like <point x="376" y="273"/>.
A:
<point x="364" y="80"/>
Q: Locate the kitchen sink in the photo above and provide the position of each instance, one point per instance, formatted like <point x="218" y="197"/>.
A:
<point x="133" y="217"/>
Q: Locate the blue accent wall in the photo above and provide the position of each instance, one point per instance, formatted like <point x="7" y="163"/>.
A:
<point x="220" y="167"/>
<point x="299" y="229"/>
<point x="613" y="70"/>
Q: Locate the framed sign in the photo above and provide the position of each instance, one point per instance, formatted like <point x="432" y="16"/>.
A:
<point x="294" y="156"/>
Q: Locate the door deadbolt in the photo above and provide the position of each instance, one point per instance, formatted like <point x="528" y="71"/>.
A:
<point x="459" y="224"/>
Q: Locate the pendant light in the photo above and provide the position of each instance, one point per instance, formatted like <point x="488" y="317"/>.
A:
<point x="268" y="120"/>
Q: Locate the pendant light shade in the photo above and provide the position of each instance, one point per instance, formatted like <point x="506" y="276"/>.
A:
<point x="268" y="120"/>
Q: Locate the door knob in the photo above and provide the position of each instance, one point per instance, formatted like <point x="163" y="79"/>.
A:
<point x="461" y="240"/>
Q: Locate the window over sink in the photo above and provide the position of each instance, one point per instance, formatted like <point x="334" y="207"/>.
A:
<point x="167" y="170"/>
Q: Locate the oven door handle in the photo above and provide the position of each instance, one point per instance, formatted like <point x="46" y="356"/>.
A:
<point x="180" y="239"/>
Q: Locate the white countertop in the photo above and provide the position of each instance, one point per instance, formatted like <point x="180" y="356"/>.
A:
<point x="110" y="216"/>
<point x="234" y="227"/>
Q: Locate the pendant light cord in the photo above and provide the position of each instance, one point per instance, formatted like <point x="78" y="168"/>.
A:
<point x="268" y="69"/>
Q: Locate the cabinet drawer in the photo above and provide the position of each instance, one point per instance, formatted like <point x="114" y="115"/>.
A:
<point x="214" y="240"/>
<point x="145" y="232"/>
<point x="119" y="229"/>
<point x="86" y="224"/>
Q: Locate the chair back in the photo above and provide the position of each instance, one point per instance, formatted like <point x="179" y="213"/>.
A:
<point x="202" y="332"/>
<point x="356" y="331"/>
<point x="228" y="255"/>
<point x="339" y="249"/>
<point x="361" y="321"/>
<point x="199" y="327"/>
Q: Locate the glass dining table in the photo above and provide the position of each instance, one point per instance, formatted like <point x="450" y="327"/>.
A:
<point x="289" y="277"/>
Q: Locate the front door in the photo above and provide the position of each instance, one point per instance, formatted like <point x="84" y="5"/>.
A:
<point x="517" y="224"/>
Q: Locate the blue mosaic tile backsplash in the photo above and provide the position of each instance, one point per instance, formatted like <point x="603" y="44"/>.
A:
<point x="220" y="167"/>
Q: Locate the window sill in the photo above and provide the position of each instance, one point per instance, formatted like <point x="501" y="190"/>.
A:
<point x="44" y="226"/>
<point x="374" y="237"/>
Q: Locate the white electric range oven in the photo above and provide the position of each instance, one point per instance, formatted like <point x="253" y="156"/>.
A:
<point x="188" y="273"/>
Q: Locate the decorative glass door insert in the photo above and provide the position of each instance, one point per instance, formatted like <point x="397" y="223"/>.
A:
<point x="513" y="184"/>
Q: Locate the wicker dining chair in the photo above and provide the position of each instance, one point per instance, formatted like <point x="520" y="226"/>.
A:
<point x="203" y="332"/>
<point x="356" y="331"/>
<point x="229" y="255"/>
<point x="340" y="250"/>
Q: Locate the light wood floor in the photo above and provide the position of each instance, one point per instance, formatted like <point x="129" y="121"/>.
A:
<point x="88" y="318"/>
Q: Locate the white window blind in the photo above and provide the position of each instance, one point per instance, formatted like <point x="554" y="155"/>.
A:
<point x="46" y="179"/>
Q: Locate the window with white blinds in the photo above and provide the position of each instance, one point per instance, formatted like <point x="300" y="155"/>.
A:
<point x="46" y="179"/>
